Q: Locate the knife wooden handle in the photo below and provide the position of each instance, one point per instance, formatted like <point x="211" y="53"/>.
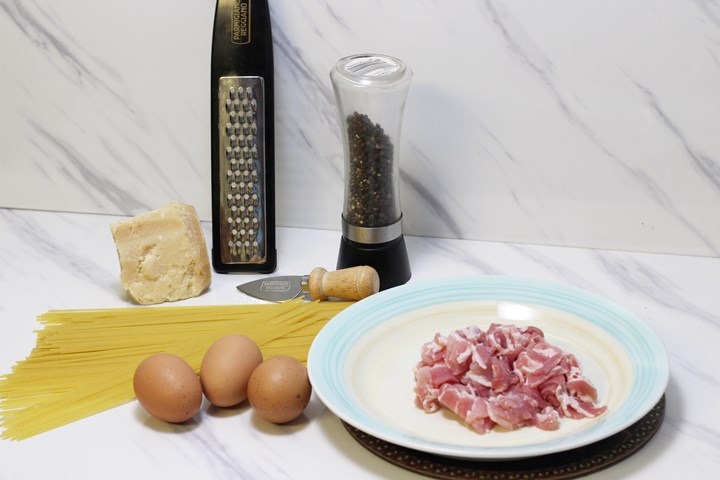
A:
<point x="354" y="283"/>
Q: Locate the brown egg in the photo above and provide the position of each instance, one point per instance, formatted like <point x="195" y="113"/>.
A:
<point x="279" y="389"/>
<point x="226" y="369"/>
<point x="168" y="388"/>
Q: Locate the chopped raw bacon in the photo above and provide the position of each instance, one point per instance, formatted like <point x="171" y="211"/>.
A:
<point x="458" y="352"/>
<point x="429" y="379"/>
<point x="507" y="376"/>
<point x="434" y="352"/>
<point x="547" y="419"/>
<point x="463" y="401"/>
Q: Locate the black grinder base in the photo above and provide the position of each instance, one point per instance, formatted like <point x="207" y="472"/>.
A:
<point x="389" y="259"/>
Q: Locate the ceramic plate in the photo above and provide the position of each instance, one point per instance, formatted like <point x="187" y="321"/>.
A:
<point x="361" y="363"/>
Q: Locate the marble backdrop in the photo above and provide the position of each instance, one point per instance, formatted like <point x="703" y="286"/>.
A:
<point x="574" y="123"/>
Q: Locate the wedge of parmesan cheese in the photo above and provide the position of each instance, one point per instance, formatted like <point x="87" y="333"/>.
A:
<point x="163" y="256"/>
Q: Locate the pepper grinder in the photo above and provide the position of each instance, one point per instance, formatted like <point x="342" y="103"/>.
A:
<point x="370" y="91"/>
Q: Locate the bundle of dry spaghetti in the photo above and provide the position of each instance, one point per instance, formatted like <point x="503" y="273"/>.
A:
<point x="84" y="360"/>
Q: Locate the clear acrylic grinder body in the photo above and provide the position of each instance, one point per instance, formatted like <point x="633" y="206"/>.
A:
<point x="370" y="92"/>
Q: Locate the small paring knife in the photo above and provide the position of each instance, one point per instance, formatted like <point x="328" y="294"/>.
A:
<point x="353" y="283"/>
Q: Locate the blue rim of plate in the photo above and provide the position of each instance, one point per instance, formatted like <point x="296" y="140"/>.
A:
<point x="328" y="354"/>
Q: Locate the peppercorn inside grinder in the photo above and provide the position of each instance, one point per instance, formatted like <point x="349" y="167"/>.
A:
<point x="370" y="91"/>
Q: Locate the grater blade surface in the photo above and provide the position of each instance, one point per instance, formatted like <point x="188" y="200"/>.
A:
<point x="242" y="179"/>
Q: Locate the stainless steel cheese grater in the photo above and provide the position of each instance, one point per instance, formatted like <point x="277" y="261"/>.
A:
<point x="242" y="138"/>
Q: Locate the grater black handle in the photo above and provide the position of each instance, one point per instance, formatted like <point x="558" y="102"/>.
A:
<point x="242" y="39"/>
<point x="243" y="138"/>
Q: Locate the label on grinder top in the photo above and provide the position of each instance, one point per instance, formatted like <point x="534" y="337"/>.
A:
<point x="371" y="66"/>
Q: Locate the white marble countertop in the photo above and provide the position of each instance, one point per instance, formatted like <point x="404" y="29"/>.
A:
<point x="56" y="261"/>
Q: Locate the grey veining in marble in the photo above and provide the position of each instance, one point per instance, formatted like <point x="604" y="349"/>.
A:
<point x="562" y="123"/>
<point x="59" y="260"/>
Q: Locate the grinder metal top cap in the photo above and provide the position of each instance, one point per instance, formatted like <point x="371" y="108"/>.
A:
<point x="373" y="69"/>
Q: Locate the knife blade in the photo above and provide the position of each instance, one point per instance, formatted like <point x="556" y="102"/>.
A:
<point x="354" y="283"/>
